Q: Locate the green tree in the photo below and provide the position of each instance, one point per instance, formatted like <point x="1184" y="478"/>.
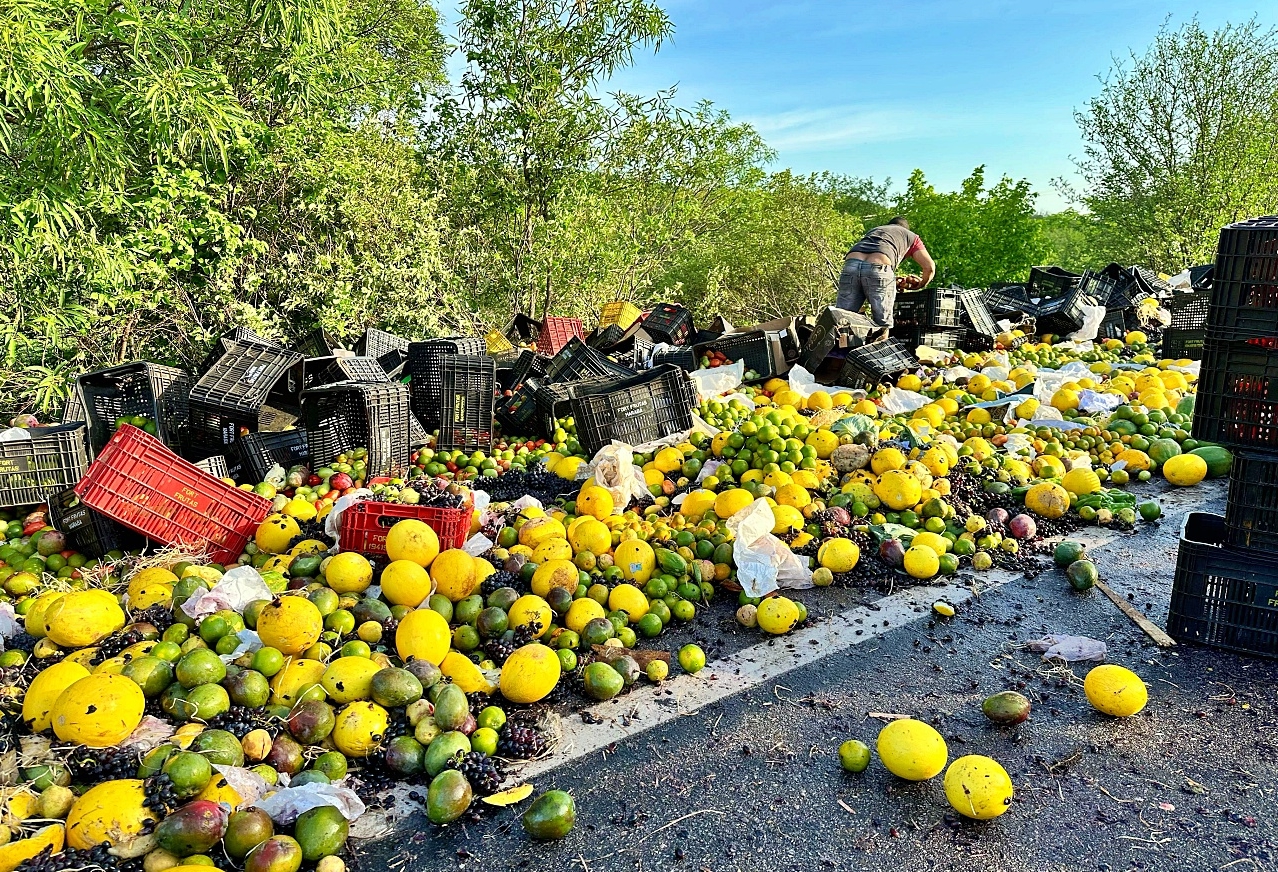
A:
<point x="1071" y="241"/>
<point x="977" y="235"/>
<point x="1181" y="141"/>
<point x="525" y="122"/>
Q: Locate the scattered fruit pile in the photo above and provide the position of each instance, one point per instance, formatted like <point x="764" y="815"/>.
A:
<point x="159" y="711"/>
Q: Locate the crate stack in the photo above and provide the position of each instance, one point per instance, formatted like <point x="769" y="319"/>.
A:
<point x="1225" y="592"/>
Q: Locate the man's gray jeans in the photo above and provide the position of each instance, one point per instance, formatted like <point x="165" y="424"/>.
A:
<point x="862" y="280"/>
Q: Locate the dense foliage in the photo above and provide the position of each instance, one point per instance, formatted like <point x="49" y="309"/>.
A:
<point x="170" y="169"/>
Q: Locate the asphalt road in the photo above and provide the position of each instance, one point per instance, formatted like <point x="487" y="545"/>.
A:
<point x="753" y="783"/>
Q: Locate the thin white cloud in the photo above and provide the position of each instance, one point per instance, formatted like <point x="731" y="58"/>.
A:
<point x="807" y="129"/>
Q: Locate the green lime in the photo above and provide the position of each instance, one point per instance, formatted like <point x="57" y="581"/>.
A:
<point x="268" y="661"/>
<point x="356" y="648"/>
<point x="854" y="755"/>
<point x="332" y="764"/>
<point x="649" y="625"/>
<point x="692" y="658"/>
<point x="484" y="740"/>
<point x="199" y="666"/>
<point x="567" y="662"/>
<point x="1151" y="511"/>
<point x="213" y="628"/>
<point x="189" y="772"/>
<point x="491" y="717"/>
<point x="683" y="611"/>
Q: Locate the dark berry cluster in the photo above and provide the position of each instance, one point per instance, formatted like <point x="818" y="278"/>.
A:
<point x="95" y="765"/>
<point x="240" y="720"/>
<point x="96" y="859"/>
<point x="158" y="616"/>
<point x="498" y="580"/>
<point x="519" y="742"/>
<point x="483" y="772"/>
<point x="114" y="645"/>
<point x="161" y="796"/>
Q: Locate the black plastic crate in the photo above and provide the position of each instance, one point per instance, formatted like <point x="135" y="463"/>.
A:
<point x="54" y="458"/>
<point x="754" y="349"/>
<point x="1048" y="282"/>
<point x="238" y="336"/>
<point x="1062" y="315"/>
<point x="91" y="533"/>
<point x="976" y="314"/>
<point x="149" y="390"/>
<point x="1190" y="311"/>
<point x="939" y="338"/>
<point x="517" y="413"/>
<point x="1107" y="290"/>
<point x="553" y="399"/>
<point x="1005" y="299"/>
<point x="251" y="389"/>
<point x="683" y="357"/>
<point x="932" y="307"/>
<point x="319" y="371"/>
<point x="527" y="363"/>
<point x="1114" y="325"/>
<point x="1222" y="596"/>
<point x="605" y="337"/>
<point x="467" y="415"/>
<point x="876" y="363"/>
<point x="389" y="350"/>
<point x="974" y="340"/>
<point x="1178" y="344"/>
<point x="259" y="452"/>
<point x="360" y="415"/>
<point x="425" y="373"/>
<point x="1244" y="298"/>
<point x="1237" y="403"/>
<point x="636" y="410"/>
<point x="1251" y="514"/>
<point x="522" y="329"/>
<point x="216" y="466"/>
<point x="669" y="323"/>
<point x="317" y="343"/>
<point x="577" y="361"/>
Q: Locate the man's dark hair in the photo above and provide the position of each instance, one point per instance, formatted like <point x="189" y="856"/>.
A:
<point x="901" y="221"/>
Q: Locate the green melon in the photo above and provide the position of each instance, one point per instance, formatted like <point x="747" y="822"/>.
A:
<point x="1218" y="460"/>
<point x="1162" y="450"/>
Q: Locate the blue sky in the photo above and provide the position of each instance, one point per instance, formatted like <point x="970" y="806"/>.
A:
<point x="876" y="88"/>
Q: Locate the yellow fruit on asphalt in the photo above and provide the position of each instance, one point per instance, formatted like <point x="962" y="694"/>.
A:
<point x="729" y="502"/>
<point x="404" y="583"/>
<point x="528" y="609"/>
<point x="921" y="562"/>
<point x="629" y="599"/>
<point x="1185" y="470"/>
<point x="83" y="618"/>
<point x="537" y="530"/>
<point x="423" y="634"/>
<point x="453" y="572"/>
<point x="298" y="676"/>
<point x="592" y="536"/>
<point x="898" y="489"/>
<point x="359" y="728"/>
<point x="1136" y="460"/>
<point x="276" y="533"/>
<point x="98" y="711"/>
<point x="552" y="549"/>
<point x="348" y="679"/>
<point x="465" y="674"/>
<point x="529" y="674"/>
<point x="1047" y="500"/>
<point x="554" y="573"/>
<point x="1080" y="481"/>
<point x="290" y="623"/>
<point x="597" y="502"/>
<point x="1115" y="690"/>
<point x="978" y="787"/>
<point x="839" y="554"/>
<point x="886" y="460"/>
<point x="777" y="615"/>
<point x="112" y="811"/>
<point x="636" y="560"/>
<point x="349" y="572"/>
<point x="582" y="612"/>
<point x="912" y="750"/>
<point x="50" y="839"/>
<point x="44" y="690"/>
<point x="413" y="540"/>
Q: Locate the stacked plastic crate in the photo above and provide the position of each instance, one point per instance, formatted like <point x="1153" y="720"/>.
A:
<point x="1226" y="588"/>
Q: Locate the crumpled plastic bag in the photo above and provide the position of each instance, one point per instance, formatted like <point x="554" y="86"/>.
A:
<point x="249" y="643"/>
<point x="150" y="733"/>
<point x="1092" y="318"/>
<point x="10" y="626"/>
<point x="333" y="521"/>
<point x="898" y="401"/>
<point x="477" y="544"/>
<point x="1071" y="649"/>
<point x="1094" y="401"/>
<point x="764" y="562"/>
<point x="1020" y="445"/>
<point x="285" y="805"/>
<point x="235" y="590"/>
<point x="954" y="373"/>
<point x="719" y="380"/>
<point x="248" y="784"/>
<point x="805" y="383"/>
<point x="15" y="434"/>
<point x="1048" y="381"/>
<point x="614" y="470"/>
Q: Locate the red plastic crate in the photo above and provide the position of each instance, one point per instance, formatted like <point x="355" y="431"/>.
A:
<point x="364" y="525"/>
<point x="143" y="485"/>
<point x="555" y="333"/>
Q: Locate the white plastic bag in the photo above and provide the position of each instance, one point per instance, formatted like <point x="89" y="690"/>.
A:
<point x="803" y="382"/>
<point x="898" y="401"/>
<point x="764" y="562"/>
<point x="333" y="521"/>
<point x="1092" y="318"/>
<point x="1071" y="649"/>
<point x="285" y="805"/>
<point x="719" y="380"/>
<point x="235" y="590"/>
<point x="614" y="470"/>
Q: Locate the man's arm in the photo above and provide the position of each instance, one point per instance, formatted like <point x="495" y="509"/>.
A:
<point x="924" y="260"/>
